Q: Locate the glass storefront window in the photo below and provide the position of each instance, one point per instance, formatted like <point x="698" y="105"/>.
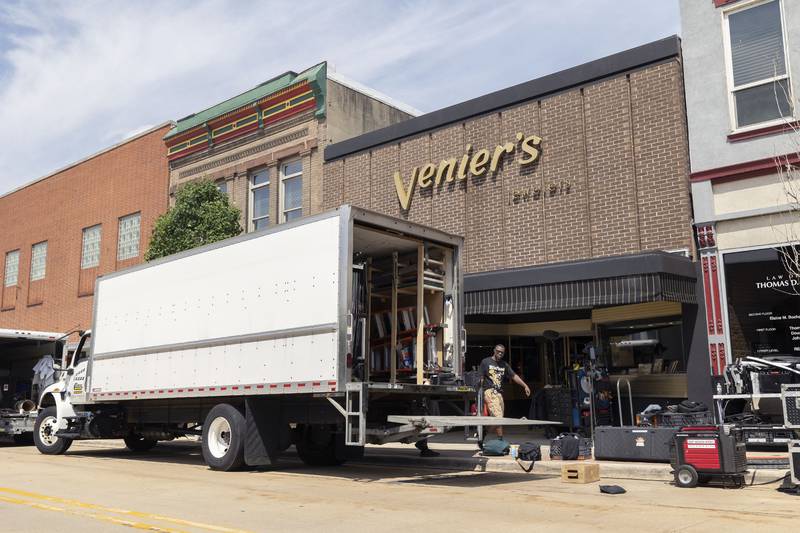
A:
<point x="763" y="303"/>
<point x="644" y="347"/>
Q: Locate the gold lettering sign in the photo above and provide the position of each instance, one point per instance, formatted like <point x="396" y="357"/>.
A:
<point x="475" y="163"/>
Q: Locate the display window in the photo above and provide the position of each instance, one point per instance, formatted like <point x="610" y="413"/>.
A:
<point x="644" y="346"/>
<point x="763" y="303"/>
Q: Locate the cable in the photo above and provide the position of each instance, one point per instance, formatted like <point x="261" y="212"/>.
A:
<point x="766" y="482"/>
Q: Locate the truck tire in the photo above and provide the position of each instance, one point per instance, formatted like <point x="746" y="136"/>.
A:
<point x="137" y="443"/>
<point x="316" y="446"/>
<point x="44" y="433"/>
<point x="223" y="438"/>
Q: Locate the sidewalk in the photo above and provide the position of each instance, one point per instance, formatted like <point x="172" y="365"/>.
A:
<point x="461" y="455"/>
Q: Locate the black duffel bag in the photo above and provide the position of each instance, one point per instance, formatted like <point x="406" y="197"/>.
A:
<point x="529" y="451"/>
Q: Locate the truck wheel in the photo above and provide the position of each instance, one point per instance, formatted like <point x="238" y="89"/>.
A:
<point x="137" y="443"/>
<point x="223" y="438"/>
<point x="44" y="433"/>
<point x="316" y="446"/>
<point x="686" y="477"/>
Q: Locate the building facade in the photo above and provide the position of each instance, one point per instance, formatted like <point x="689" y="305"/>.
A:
<point x="741" y="61"/>
<point x="572" y="192"/>
<point x="62" y="231"/>
<point x="264" y="146"/>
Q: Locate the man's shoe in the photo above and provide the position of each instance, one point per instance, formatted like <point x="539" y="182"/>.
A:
<point x="428" y="453"/>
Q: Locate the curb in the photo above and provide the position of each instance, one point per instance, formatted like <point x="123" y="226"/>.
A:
<point x="608" y="470"/>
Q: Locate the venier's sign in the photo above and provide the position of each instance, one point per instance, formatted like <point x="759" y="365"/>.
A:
<point x="471" y="163"/>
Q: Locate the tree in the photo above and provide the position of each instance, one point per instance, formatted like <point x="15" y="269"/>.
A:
<point x="201" y="215"/>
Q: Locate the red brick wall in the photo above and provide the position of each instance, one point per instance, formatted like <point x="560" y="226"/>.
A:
<point x="618" y="144"/>
<point x="130" y="178"/>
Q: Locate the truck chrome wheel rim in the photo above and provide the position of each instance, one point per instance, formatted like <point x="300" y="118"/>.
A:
<point x="685" y="477"/>
<point x="47" y="431"/>
<point x="219" y="437"/>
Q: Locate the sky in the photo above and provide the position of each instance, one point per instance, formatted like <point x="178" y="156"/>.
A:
<point x="79" y="76"/>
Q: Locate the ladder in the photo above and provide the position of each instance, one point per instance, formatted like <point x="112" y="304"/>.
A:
<point x="354" y="413"/>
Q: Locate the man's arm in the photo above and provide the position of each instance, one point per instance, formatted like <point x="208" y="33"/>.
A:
<point x="518" y="381"/>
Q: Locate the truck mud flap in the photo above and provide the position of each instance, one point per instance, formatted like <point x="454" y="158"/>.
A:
<point x="266" y="436"/>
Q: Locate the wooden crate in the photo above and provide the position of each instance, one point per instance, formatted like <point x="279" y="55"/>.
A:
<point x="580" y="472"/>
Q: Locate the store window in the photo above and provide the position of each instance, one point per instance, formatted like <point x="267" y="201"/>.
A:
<point x="129" y="235"/>
<point x="90" y="249"/>
<point x="291" y="191"/>
<point x="763" y="303"/>
<point x="12" y="269"/>
<point x="38" y="261"/>
<point x="259" y="199"/>
<point x="644" y="347"/>
<point x="759" y="81"/>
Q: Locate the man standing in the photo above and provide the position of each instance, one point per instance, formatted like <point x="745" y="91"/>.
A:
<point x="494" y="372"/>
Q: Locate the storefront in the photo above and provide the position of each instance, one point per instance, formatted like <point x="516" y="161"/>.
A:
<point x="762" y="302"/>
<point x="742" y="126"/>
<point x="572" y="194"/>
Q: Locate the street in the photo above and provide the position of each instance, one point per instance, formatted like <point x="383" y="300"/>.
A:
<point x="100" y="486"/>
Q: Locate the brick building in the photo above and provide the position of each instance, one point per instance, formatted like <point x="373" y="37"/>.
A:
<point x="63" y="230"/>
<point x="572" y="192"/>
<point x="263" y="147"/>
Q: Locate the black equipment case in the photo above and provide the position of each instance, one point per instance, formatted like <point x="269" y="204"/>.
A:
<point x="632" y="443"/>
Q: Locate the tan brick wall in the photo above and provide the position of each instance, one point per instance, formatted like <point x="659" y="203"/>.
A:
<point x="127" y="179"/>
<point x="662" y="159"/>
<point x="612" y="177"/>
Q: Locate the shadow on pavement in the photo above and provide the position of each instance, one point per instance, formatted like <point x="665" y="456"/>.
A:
<point x="425" y="472"/>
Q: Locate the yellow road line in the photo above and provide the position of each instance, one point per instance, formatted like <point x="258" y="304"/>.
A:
<point x="95" y="516"/>
<point x="116" y="510"/>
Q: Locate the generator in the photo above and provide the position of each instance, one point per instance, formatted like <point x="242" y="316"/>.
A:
<point x="701" y="454"/>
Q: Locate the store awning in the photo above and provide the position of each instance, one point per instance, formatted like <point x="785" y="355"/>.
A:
<point x="620" y="280"/>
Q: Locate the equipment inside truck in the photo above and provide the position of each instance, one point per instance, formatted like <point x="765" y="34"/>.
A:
<point x="24" y="373"/>
<point x="402" y="305"/>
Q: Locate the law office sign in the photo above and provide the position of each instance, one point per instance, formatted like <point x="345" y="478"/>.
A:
<point x="471" y="163"/>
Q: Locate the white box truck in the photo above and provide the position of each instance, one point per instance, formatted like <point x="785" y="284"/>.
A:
<point x="313" y="333"/>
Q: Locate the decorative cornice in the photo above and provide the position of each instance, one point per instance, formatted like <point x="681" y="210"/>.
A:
<point x="299" y="134"/>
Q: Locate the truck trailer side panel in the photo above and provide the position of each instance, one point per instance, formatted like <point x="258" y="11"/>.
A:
<point x="232" y="319"/>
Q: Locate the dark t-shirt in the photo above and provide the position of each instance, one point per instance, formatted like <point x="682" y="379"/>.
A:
<point x="494" y="373"/>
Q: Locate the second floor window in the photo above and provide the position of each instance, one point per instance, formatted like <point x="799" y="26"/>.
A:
<point x="38" y="261"/>
<point x="291" y="191"/>
<point x="90" y="250"/>
<point x="129" y="234"/>
<point x="760" y="87"/>
<point x="12" y="269"/>
<point x="259" y="199"/>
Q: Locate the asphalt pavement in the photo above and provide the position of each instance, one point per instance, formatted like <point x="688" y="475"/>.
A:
<point x="100" y="486"/>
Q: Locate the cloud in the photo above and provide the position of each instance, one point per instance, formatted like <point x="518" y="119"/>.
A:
<point x="79" y="76"/>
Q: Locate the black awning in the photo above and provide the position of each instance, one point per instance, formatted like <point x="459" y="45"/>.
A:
<point x="549" y="288"/>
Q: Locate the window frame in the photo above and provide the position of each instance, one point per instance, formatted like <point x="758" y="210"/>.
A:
<point x="732" y="89"/>
<point x="251" y="188"/>
<point x="99" y="245"/>
<point x="138" y="239"/>
<point x="282" y="195"/>
<point x="44" y="266"/>
<point x="18" y="252"/>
